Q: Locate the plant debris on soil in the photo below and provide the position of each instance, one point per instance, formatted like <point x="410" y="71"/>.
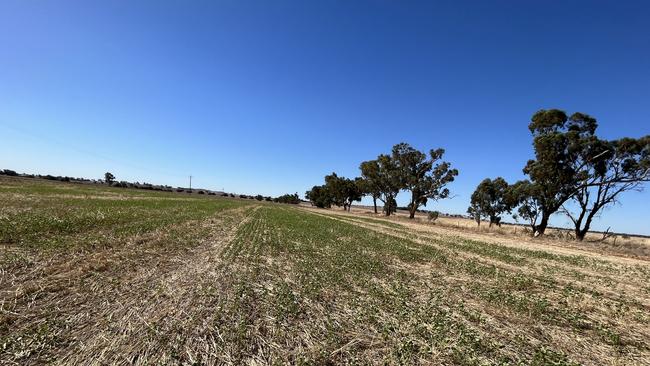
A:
<point x="99" y="275"/>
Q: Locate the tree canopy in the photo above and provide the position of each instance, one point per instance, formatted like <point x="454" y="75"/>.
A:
<point x="109" y="178"/>
<point x="288" y="198"/>
<point x="339" y="191"/>
<point x="561" y="145"/>
<point x="370" y="184"/>
<point x="576" y="172"/>
<point x="617" y="166"/>
<point x="319" y="196"/>
<point x="418" y="175"/>
<point x="343" y="191"/>
<point x="490" y="201"/>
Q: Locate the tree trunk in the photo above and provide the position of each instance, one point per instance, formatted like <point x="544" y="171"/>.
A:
<point x="412" y="207"/>
<point x="388" y="205"/>
<point x="539" y="229"/>
<point x="374" y="203"/>
<point x="581" y="233"/>
<point x="412" y="210"/>
<point x="495" y="220"/>
<point x="578" y="224"/>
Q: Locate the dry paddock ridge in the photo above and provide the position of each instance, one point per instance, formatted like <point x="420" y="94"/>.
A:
<point x="95" y="275"/>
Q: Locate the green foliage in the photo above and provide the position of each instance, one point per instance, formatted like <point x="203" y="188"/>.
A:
<point x="8" y="172"/>
<point x="109" y="178"/>
<point x="319" y="196"/>
<point x="383" y="181"/>
<point x="490" y="200"/>
<point x="612" y="167"/>
<point x="558" y="167"/>
<point x="288" y="198"/>
<point x="571" y="162"/>
<point x="364" y="187"/>
<point x="544" y="357"/>
<point x="523" y="194"/>
<point x="474" y="213"/>
<point x="371" y="180"/>
<point x="409" y="169"/>
<point x="343" y="191"/>
<point x="390" y="207"/>
<point x="418" y="174"/>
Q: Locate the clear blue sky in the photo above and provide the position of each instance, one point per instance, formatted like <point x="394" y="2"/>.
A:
<point x="269" y="96"/>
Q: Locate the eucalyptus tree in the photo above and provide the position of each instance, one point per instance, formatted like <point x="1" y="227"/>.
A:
<point x="319" y="196"/>
<point x="370" y="184"/>
<point x="522" y="195"/>
<point x="474" y="212"/>
<point x="109" y="178"/>
<point x="490" y="201"/>
<point x="343" y="191"/>
<point x="353" y="191"/>
<point x="418" y="174"/>
<point x="617" y="166"/>
<point x="559" y="166"/>
<point x="386" y="180"/>
<point x="571" y="162"/>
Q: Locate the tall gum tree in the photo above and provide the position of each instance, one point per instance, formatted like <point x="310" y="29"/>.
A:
<point x="390" y="182"/>
<point x="522" y="195"/>
<point x="419" y="176"/>
<point x="343" y="191"/>
<point x="614" y="167"/>
<point x="370" y="184"/>
<point x="557" y="169"/>
<point x="572" y="163"/>
<point x="489" y="201"/>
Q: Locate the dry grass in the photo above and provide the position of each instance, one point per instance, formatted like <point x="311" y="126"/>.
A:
<point x="624" y="245"/>
<point x="157" y="280"/>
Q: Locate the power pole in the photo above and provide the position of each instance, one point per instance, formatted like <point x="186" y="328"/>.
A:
<point x="190" y="184"/>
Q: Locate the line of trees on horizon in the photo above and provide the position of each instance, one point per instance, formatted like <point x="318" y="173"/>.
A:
<point x="111" y="181"/>
<point x="424" y="176"/>
<point x="574" y="173"/>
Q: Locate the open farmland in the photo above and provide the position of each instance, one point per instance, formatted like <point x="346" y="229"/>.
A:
<point x="93" y="275"/>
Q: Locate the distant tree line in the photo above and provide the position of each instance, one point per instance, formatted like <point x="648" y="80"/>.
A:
<point x="424" y="176"/>
<point x="8" y="172"/>
<point x="574" y="172"/>
<point x="13" y="173"/>
<point x="288" y="198"/>
<point x="110" y="180"/>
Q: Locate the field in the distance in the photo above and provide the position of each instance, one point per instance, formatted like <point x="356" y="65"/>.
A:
<point x="94" y="275"/>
